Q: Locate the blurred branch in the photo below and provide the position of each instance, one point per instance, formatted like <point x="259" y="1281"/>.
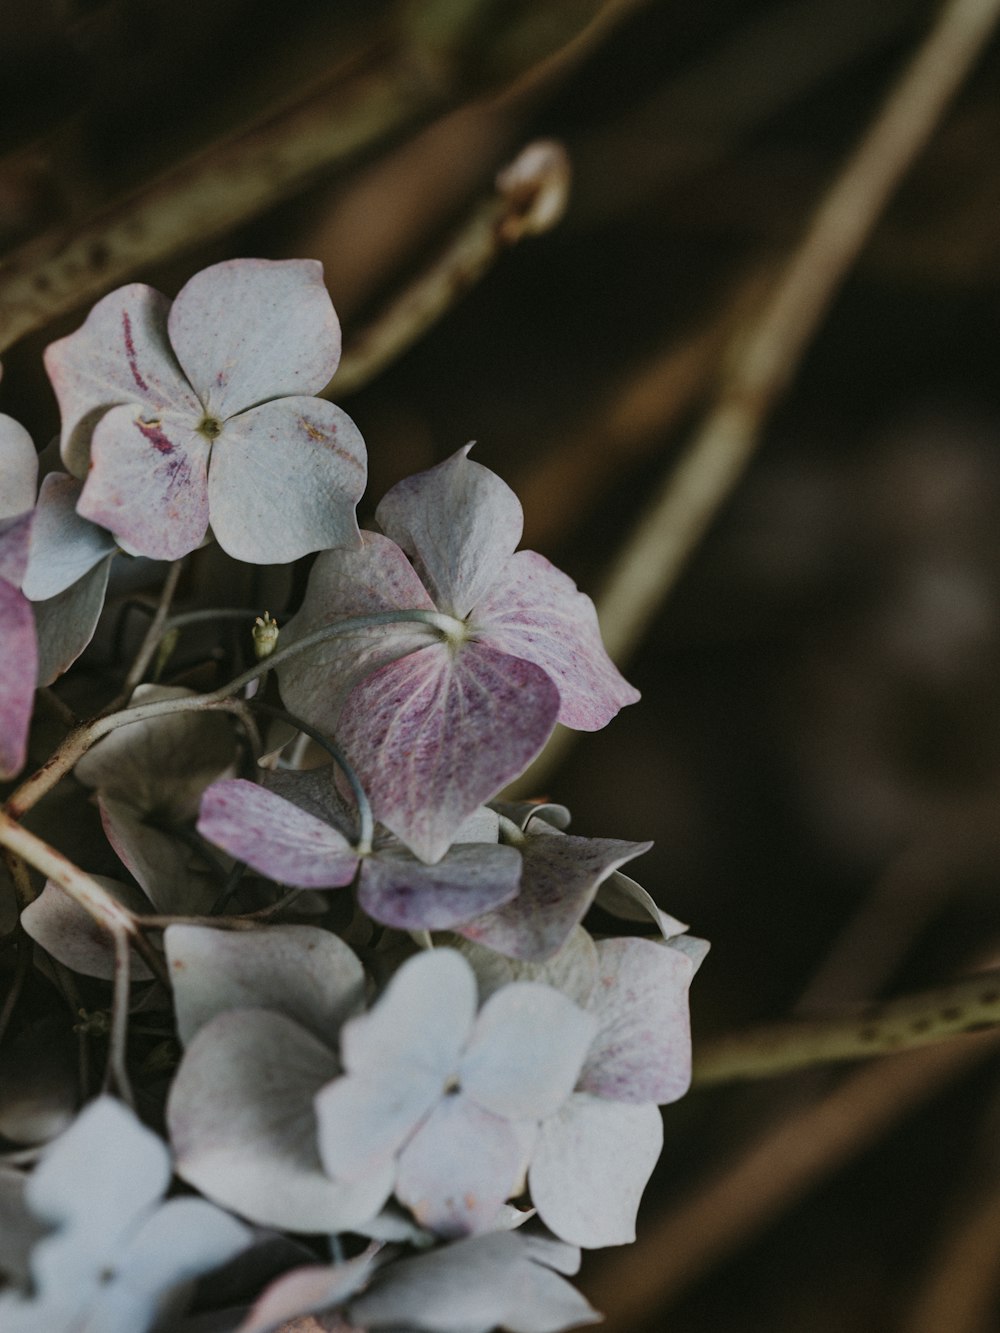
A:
<point x="763" y="360"/>
<point x="429" y="57"/>
<point x="530" y="198"/>
<point x="769" y="1176"/>
<point x="970" y="1005"/>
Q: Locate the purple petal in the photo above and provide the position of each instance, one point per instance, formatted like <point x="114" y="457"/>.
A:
<point x="459" y="1167"/>
<point x="315" y="791"/>
<point x="242" y="1125"/>
<point x="247" y="330"/>
<point x="64" y="546"/>
<point x="15" y="545"/>
<point x="400" y="891"/>
<point x="18" y="668"/>
<point x="459" y="522"/>
<point x="285" y="480"/>
<point x="148" y="483"/>
<point x="307" y="974"/>
<point x="526" y="1051"/>
<point x="120" y="355"/>
<point x="642" y="1052"/>
<point x="590" y="1167"/>
<point x="275" y="837"/>
<point x="375" y="577"/>
<point x="18" y="467"/>
<point x="66" y="623"/>
<point x="558" y="883"/>
<point x="72" y="936"/>
<point x="534" y="611"/>
<point x="439" y="732"/>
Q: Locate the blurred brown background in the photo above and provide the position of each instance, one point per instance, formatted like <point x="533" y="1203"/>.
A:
<point x="818" y="749"/>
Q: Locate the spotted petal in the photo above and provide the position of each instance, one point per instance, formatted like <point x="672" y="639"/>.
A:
<point x="247" y="330"/>
<point x="459" y="522"/>
<point x="285" y="480"/>
<point x="535" y="611"/>
<point x="18" y="667"/>
<point x="148" y="482"/>
<point x="439" y="732"/>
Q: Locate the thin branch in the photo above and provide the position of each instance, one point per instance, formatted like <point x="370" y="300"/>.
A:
<point x="152" y="637"/>
<point x="530" y="197"/>
<point x="117" y="1071"/>
<point x="970" y="1005"/>
<point x="770" y="1174"/>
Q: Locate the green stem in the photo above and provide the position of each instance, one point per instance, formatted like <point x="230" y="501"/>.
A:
<point x="970" y="1005"/>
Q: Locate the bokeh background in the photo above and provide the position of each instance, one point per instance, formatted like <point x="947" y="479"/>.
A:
<point x="817" y="753"/>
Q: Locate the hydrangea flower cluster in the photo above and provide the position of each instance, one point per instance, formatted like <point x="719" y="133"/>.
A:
<point x="373" y="1015"/>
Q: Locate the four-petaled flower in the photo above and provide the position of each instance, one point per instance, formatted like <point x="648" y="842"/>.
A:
<point x="151" y="393"/>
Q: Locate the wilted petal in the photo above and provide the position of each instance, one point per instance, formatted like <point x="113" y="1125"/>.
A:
<point x="459" y="1167"/>
<point x="64" y="546"/>
<point x="534" y="611"/>
<point x="120" y="355"/>
<point x="18" y="669"/>
<point x="590" y="1167"/>
<point x="622" y="896"/>
<point x="242" y="1125"/>
<point x="247" y="330"/>
<point x="306" y="974"/>
<point x="526" y="1050"/>
<point x="39" y="1082"/>
<point x="18" y="467"/>
<point x="522" y="813"/>
<point x="71" y="935"/>
<point x="148" y="482"/>
<point x="285" y="480"/>
<point x="475" y="1284"/>
<point x="400" y="891"/>
<point x="439" y="732"/>
<point x="459" y="522"/>
<point x="375" y="577"/>
<point x="275" y="837"/>
<point x="65" y="624"/>
<point x="642" y="1051"/>
<point x="560" y="877"/>
<point x="170" y="872"/>
<point x="571" y="969"/>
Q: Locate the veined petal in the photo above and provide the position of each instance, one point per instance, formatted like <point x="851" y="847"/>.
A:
<point x="400" y="891"/>
<point x="18" y="667"/>
<point x="121" y="354"/>
<point x="459" y="522"/>
<point x="590" y="1167"/>
<point x="459" y="1167"/>
<point x="18" y="467"/>
<point x="247" y="330"/>
<point x="535" y="611"/>
<point x="375" y="577"/>
<point x="64" y="546"/>
<point x="526" y="1050"/>
<point x="285" y="480"/>
<point x="148" y="483"/>
<point x="439" y="732"/>
<point x="275" y="837"/>
<point x="642" y="1051"/>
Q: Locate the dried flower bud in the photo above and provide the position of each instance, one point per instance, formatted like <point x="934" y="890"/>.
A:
<point x="265" y="635"/>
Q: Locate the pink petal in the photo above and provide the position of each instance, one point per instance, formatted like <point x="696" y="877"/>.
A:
<point x="18" y="667"/>
<point x="375" y="577"/>
<point x="459" y="522"/>
<point x="64" y="546"/>
<point x="459" y="1167"/>
<point x="120" y="355"/>
<point x="18" y="468"/>
<point x="247" y="330"/>
<point x="148" y="483"/>
<point x="275" y="837"/>
<point x="558" y="883"/>
<point x="534" y="611"/>
<point x="15" y="545"/>
<point x="72" y="936"/>
<point x="400" y="891"/>
<point x="642" y="1051"/>
<point x="439" y="732"/>
<point x="284" y="481"/>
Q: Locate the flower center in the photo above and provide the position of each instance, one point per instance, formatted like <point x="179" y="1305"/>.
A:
<point x="210" y="427"/>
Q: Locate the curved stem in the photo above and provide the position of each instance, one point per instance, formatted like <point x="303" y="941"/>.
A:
<point x="970" y="1005"/>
